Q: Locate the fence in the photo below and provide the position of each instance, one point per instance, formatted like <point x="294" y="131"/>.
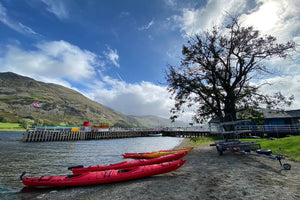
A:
<point x="271" y="128"/>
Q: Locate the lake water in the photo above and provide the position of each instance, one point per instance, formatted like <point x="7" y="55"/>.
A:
<point x="53" y="158"/>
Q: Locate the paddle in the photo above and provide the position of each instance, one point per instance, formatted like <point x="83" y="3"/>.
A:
<point x="21" y="177"/>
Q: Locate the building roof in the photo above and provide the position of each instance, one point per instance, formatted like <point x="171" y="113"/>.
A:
<point x="294" y="113"/>
<point x="272" y="114"/>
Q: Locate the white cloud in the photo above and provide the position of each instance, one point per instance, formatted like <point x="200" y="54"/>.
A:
<point x="171" y="3"/>
<point x="57" y="8"/>
<point x="287" y="85"/>
<point x="139" y="99"/>
<point x="112" y="56"/>
<point x="282" y="20"/>
<point x="58" y="61"/>
<point x="147" y="26"/>
<point x="278" y="18"/>
<point x="143" y="98"/>
<point x="124" y="14"/>
<point x="15" y="25"/>
<point x="194" y="21"/>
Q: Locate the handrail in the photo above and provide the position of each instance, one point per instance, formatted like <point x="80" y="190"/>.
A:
<point x="270" y="128"/>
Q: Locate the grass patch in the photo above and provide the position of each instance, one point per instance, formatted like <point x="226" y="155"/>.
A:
<point x="288" y="146"/>
<point x="10" y="127"/>
<point x="201" y="140"/>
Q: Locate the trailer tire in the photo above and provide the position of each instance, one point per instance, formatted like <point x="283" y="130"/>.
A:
<point x="220" y="153"/>
<point x="220" y="150"/>
<point x="287" y="166"/>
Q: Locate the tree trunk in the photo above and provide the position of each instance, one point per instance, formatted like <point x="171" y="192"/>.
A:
<point x="230" y="114"/>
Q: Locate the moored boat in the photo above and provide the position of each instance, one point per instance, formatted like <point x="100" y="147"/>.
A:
<point x="154" y="154"/>
<point x="128" y="164"/>
<point x="100" y="177"/>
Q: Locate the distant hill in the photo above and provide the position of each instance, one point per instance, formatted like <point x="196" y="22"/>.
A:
<point x="61" y="106"/>
<point x="154" y="121"/>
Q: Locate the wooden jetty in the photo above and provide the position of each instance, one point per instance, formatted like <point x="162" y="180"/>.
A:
<point x="52" y="135"/>
<point x="48" y="135"/>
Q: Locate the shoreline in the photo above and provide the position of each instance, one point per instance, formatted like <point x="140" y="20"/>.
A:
<point x="205" y="175"/>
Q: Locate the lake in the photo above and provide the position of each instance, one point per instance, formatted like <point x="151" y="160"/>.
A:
<point x="53" y="158"/>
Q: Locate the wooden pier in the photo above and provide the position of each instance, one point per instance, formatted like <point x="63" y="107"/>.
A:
<point x="46" y="135"/>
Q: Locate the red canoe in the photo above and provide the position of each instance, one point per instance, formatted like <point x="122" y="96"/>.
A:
<point x="154" y="154"/>
<point x="107" y="176"/>
<point x="128" y="164"/>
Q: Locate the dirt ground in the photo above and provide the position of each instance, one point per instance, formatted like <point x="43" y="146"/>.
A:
<point x="205" y="175"/>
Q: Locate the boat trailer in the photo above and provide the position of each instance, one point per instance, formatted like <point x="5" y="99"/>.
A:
<point x="245" y="148"/>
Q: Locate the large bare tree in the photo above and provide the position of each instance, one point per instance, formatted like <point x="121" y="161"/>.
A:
<point x="216" y="69"/>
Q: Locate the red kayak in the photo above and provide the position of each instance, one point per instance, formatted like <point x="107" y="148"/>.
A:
<point x="128" y="164"/>
<point x="107" y="176"/>
<point x="154" y="154"/>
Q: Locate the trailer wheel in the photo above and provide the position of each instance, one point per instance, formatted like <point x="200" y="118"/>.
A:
<point x="220" y="151"/>
<point x="287" y="166"/>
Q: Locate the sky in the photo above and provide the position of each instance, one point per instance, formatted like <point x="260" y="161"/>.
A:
<point x="116" y="52"/>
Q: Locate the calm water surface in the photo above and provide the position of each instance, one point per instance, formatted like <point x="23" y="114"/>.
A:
<point x="53" y="158"/>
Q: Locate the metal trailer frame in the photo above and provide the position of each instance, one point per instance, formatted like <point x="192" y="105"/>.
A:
<point x="245" y="148"/>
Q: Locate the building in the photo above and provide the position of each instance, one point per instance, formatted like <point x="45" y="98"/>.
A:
<point x="290" y="117"/>
<point x="274" y="124"/>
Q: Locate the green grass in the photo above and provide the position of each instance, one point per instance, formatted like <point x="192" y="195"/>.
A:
<point x="201" y="140"/>
<point x="10" y="127"/>
<point x="288" y="146"/>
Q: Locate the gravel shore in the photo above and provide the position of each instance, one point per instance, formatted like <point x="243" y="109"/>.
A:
<point x="205" y="175"/>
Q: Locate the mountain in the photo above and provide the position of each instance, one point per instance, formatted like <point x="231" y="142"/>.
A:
<point x="61" y="106"/>
<point x="154" y="121"/>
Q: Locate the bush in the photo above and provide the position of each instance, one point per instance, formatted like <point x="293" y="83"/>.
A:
<point x="5" y="120"/>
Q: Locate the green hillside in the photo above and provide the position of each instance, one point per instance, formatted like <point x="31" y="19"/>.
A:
<point x="60" y="105"/>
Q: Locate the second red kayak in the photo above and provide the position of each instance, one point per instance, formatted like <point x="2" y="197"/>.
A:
<point x="128" y="164"/>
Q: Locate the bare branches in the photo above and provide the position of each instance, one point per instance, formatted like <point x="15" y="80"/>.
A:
<point x="216" y="68"/>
